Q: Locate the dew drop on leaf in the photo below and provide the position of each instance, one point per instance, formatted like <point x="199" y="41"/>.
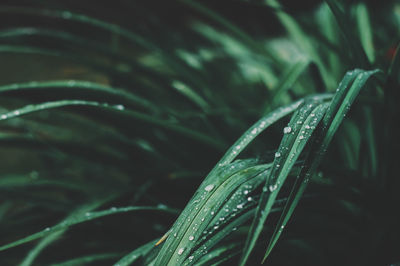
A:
<point x="180" y="251"/>
<point x="209" y="187"/>
<point x="287" y="130"/>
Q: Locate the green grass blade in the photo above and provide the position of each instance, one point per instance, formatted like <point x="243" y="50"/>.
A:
<point x="81" y="218"/>
<point x="46" y="241"/>
<point x="136" y="115"/>
<point x="51" y="105"/>
<point x="334" y="116"/>
<point x="80" y="86"/>
<point x="365" y="31"/>
<point x="254" y="131"/>
<point x="199" y="213"/>
<point x="296" y="136"/>
<point x="190" y="94"/>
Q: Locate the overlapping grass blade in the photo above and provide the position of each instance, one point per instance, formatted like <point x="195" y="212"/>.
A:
<point x="43" y="243"/>
<point x="81" y="218"/>
<point x="132" y="114"/>
<point x="206" y="203"/>
<point x="296" y="136"/>
<point x="334" y="116"/>
<point x="222" y="181"/>
<point x="81" y="87"/>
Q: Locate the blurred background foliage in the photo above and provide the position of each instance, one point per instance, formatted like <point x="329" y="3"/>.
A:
<point x="162" y="89"/>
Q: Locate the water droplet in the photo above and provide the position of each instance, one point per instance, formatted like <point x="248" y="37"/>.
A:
<point x="191" y="258"/>
<point x="249" y="199"/>
<point x="239" y="206"/>
<point x="212" y="213"/>
<point x="209" y="187"/>
<point x="272" y="187"/>
<point x="254" y="131"/>
<point x="16" y="112"/>
<point x="47" y="229"/>
<point x="301" y="137"/>
<point x="87" y="214"/>
<point x="113" y="209"/>
<point x="287" y="130"/>
<point x="3" y="116"/>
<point x="277" y="154"/>
<point x="119" y="107"/>
<point x="191" y="238"/>
<point x="246" y="192"/>
<point x="180" y="251"/>
<point x="307" y="127"/>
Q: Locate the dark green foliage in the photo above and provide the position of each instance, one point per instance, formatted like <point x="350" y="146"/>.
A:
<point x="128" y="133"/>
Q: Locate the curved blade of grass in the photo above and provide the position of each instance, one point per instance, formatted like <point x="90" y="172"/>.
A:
<point x="334" y="116"/>
<point x="296" y="136"/>
<point x="200" y="211"/>
<point x="238" y="209"/>
<point x="46" y="241"/>
<point x="51" y="105"/>
<point x="136" y="254"/>
<point x="136" y="115"/>
<point x="81" y="86"/>
<point x="174" y="249"/>
<point x="54" y="235"/>
<point x="190" y="94"/>
<point x="81" y="218"/>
